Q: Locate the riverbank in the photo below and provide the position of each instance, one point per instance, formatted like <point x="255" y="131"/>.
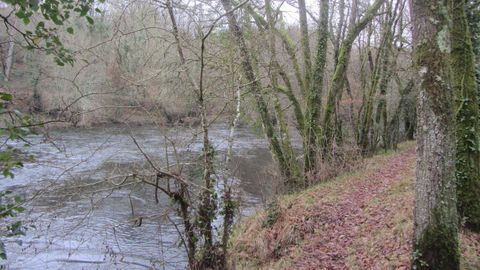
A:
<point x="132" y="117"/>
<point x="361" y="220"/>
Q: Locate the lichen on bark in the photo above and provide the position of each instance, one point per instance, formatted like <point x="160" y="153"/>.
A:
<point x="436" y="219"/>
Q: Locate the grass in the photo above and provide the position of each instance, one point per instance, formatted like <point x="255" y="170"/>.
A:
<point x="360" y="220"/>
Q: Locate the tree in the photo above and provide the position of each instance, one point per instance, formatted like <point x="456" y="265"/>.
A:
<point x="435" y="238"/>
<point x="338" y="80"/>
<point x="467" y="117"/>
<point x="380" y="77"/>
<point x="315" y="131"/>
<point x="473" y="16"/>
<point x="314" y="99"/>
<point x="46" y="37"/>
<point x="237" y="34"/>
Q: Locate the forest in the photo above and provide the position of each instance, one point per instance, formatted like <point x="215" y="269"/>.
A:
<point x="240" y="134"/>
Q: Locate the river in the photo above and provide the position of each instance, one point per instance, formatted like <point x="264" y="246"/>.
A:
<point x="77" y="216"/>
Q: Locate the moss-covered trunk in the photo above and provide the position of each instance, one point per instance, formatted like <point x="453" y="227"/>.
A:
<point x="295" y="180"/>
<point x="392" y="137"/>
<point x="467" y="126"/>
<point x="436" y="233"/>
<point x="314" y="99"/>
<point x="302" y="11"/>
<point x="338" y="79"/>
<point x="369" y="131"/>
<point x="255" y="88"/>
<point x="473" y="18"/>
<point x="288" y="45"/>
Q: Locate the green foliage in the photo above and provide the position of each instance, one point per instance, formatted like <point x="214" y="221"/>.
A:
<point x="45" y="36"/>
<point x="467" y="172"/>
<point x="16" y="126"/>
<point x="473" y="17"/>
<point x="5" y="96"/>
<point x="10" y="206"/>
<point x="8" y="161"/>
<point x="228" y="205"/>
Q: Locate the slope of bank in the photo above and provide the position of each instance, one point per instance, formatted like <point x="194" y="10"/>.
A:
<point x="362" y="220"/>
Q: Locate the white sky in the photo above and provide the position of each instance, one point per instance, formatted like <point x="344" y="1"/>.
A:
<point x="290" y="9"/>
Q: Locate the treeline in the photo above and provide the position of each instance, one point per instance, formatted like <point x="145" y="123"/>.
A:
<point x="125" y="69"/>
<point x="126" y="66"/>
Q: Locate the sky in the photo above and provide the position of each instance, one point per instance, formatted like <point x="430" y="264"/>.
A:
<point x="290" y="9"/>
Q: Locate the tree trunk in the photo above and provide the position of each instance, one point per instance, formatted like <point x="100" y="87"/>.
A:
<point x="302" y="10"/>
<point x="10" y="57"/>
<point x="288" y="153"/>
<point x="339" y="74"/>
<point x="255" y="88"/>
<point x="36" y="98"/>
<point x="207" y="211"/>
<point x="436" y="233"/>
<point x="340" y="27"/>
<point x="383" y="64"/>
<point x="473" y="16"/>
<point x="392" y="136"/>
<point x="288" y="90"/>
<point x="314" y="101"/>
<point x="465" y="88"/>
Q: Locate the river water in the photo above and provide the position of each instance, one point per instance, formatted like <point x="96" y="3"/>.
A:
<point x="79" y="217"/>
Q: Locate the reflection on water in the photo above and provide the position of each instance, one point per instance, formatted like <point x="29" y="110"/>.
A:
<point x="85" y="217"/>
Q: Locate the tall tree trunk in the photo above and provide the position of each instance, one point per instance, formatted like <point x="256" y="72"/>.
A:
<point x="233" y="125"/>
<point x="369" y="130"/>
<point x="181" y="54"/>
<point x="291" y="162"/>
<point x="314" y="99"/>
<point x="392" y="137"/>
<point x="36" y="98"/>
<point x="184" y="206"/>
<point x="288" y="90"/>
<point x="467" y="125"/>
<point x="473" y="14"/>
<point x="340" y="27"/>
<point x="436" y="233"/>
<point x="302" y="10"/>
<point x="208" y="205"/>
<point x="10" y="57"/>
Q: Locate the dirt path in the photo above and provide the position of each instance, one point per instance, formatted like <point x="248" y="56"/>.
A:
<point x="360" y="213"/>
<point x="362" y="220"/>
